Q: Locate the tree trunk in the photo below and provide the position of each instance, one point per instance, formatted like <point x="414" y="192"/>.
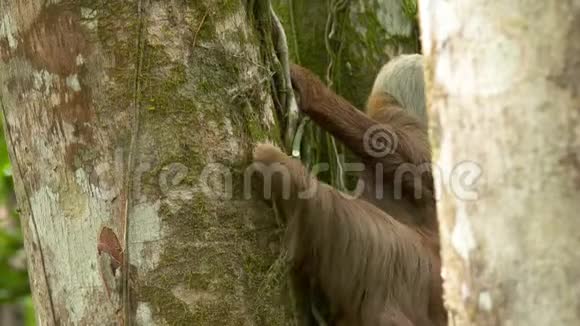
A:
<point x="129" y="125"/>
<point x="504" y="95"/>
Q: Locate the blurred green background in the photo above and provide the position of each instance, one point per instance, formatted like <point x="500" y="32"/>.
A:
<point x="15" y="303"/>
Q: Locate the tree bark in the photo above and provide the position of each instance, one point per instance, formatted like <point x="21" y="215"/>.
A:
<point x="123" y="119"/>
<point x="504" y="80"/>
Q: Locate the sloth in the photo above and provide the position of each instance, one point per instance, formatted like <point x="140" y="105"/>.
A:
<point x="375" y="259"/>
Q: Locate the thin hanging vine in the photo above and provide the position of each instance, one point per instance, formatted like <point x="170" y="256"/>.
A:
<point x="334" y="45"/>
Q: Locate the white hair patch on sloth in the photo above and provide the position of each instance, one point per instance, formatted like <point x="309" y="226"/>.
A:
<point x="402" y="77"/>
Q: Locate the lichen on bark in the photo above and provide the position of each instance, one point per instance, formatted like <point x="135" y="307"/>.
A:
<point x="174" y="88"/>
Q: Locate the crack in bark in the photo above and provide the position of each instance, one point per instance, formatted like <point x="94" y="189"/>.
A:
<point x="131" y="166"/>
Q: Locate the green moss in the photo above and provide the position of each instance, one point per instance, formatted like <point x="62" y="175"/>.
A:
<point x="410" y="9"/>
<point x="213" y="266"/>
<point x="209" y="250"/>
<point x="166" y="304"/>
<point x="254" y="124"/>
<point x="161" y="82"/>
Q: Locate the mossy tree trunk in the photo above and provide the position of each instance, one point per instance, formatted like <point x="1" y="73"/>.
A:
<point x="123" y="120"/>
<point x="504" y="81"/>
